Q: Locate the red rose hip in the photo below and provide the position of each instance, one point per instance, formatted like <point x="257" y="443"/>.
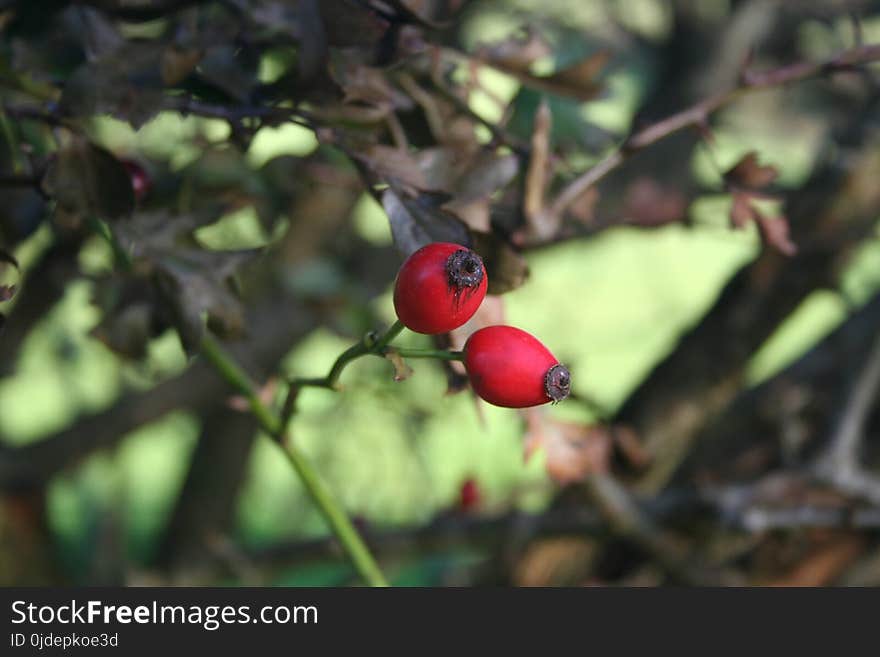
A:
<point x="511" y="368"/>
<point x="439" y="288"/>
<point x="141" y="183"/>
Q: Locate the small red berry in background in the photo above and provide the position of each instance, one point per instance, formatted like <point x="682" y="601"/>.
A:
<point x="141" y="183"/>
<point x="511" y="368"/>
<point x="439" y="288"/>
<point x="469" y="495"/>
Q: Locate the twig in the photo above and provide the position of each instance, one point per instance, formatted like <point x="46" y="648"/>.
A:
<point x="698" y="115"/>
<point x="334" y="515"/>
<point x="840" y="464"/>
<point x="629" y="521"/>
<point x="370" y="345"/>
<point x="238" y="113"/>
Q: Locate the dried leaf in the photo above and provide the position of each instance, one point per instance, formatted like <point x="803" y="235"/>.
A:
<point x="194" y="291"/>
<point x="366" y="84"/>
<point x="632" y="449"/>
<point x="484" y="175"/>
<point x="741" y="212"/>
<point x="468" y="177"/>
<point x="434" y="14"/>
<point x="572" y="450"/>
<point x="225" y="68"/>
<point x="417" y="222"/>
<point x="749" y="174"/>
<point x="577" y="81"/>
<point x="396" y="164"/>
<point x="350" y="25"/>
<point x="126" y="83"/>
<point x="556" y="561"/>
<point x="127" y="331"/>
<point x="402" y="371"/>
<point x="517" y="53"/>
<point x="177" y="63"/>
<point x="85" y="179"/>
<point x="130" y="317"/>
<point x="824" y="563"/>
<point x="775" y="233"/>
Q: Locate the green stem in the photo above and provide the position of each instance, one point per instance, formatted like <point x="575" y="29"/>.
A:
<point x="439" y="354"/>
<point x="123" y="257"/>
<point x="12" y="142"/>
<point x="366" y="346"/>
<point x="392" y="332"/>
<point x="334" y="515"/>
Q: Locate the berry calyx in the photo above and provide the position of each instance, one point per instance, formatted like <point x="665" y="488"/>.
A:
<point x="439" y="288"/>
<point x="511" y="368"/>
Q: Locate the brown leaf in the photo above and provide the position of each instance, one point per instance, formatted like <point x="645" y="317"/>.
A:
<point x="577" y="81"/>
<point x="517" y="53"/>
<point x="555" y="561"/>
<point x="388" y="163"/>
<point x="402" y="371"/>
<point x="741" y="212"/>
<point x="516" y="56"/>
<point x="775" y="233"/>
<point x="86" y="179"/>
<point x="6" y="292"/>
<point x="572" y="450"/>
<point x="536" y="175"/>
<point x="824" y="564"/>
<point x="177" y="63"/>
<point x="367" y="84"/>
<point x="126" y="83"/>
<point x="748" y="174"/>
<point x="467" y="176"/>
<point x="627" y="441"/>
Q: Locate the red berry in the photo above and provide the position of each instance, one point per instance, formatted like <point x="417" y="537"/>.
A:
<point x="141" y="183"/>
<point x="509" y="367"/>
<point x="439" y="288"/>
<point x="469" y="495"/>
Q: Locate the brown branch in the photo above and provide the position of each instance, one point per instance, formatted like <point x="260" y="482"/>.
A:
<point x="840" y="465"/>
<point x="206" y="505"/>
<point x="697" y="115"/>
<point x="829" y="216"/>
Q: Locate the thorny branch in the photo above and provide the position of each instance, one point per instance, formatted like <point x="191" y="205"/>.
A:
<point x="698" y="115"/>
